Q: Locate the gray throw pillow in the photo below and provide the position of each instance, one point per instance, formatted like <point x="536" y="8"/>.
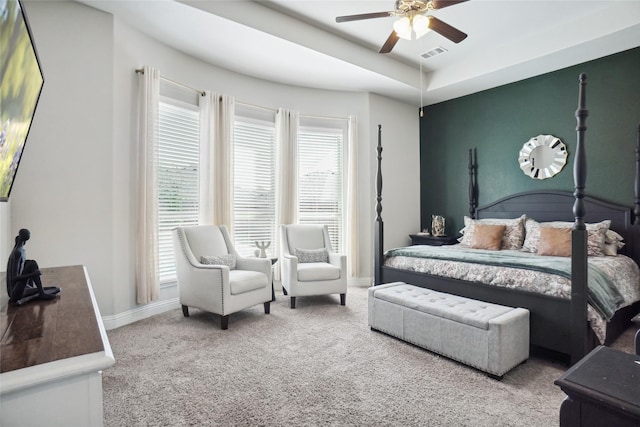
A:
<point x="229" y="260"/>
<point x="312" y="255"/>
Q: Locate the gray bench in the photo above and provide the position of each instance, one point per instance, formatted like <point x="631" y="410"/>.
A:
<point x="489" y="337"/>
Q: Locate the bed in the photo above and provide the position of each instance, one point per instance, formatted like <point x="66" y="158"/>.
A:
<point x="560" y="320"/>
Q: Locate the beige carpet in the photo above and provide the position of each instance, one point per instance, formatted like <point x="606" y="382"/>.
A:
<point x="319" y="364"/>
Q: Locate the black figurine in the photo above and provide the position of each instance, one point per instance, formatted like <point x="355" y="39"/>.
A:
<point x="23" y="275"/>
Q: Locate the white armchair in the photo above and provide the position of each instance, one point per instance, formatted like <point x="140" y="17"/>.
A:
<point x="213" y="277"/>
<point x="308" y="264"/>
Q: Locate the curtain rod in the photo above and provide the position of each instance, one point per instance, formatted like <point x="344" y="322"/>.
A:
<point x="275" y="110"/>
<point x="201" y="92"/>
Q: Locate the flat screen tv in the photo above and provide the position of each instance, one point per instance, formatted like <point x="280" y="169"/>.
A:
<point x="21" y="81"/>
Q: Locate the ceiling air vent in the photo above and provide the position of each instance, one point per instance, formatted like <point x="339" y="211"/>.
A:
<point x="433" y="52"/>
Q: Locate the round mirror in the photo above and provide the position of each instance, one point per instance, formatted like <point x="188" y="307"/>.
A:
<point x="542" y="156"/>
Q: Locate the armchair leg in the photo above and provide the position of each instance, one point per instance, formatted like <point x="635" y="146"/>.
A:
<point x="224" y="322"/>
<point x="185" y="311"/>
<point x="267" y="307"/>
<point x="293" y="302"/>
<point x="284" y="291"/>
<point x="343" y="299"/>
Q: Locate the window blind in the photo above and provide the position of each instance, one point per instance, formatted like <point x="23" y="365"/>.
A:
<point x="254" y="210"/>
<point x="321" y="180"/>
<point x="178" y="160"/>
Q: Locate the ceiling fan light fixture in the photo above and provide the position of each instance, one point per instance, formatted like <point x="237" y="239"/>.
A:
<point x="420" y="25"/>
<point x="402" y="27"/>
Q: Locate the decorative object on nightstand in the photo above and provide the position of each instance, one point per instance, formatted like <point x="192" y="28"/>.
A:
<point x="437" y="225"/>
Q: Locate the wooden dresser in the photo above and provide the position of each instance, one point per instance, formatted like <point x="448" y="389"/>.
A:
<point x="52" y="354"/>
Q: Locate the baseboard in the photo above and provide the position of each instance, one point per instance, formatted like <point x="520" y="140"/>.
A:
<point x="159" y="307"/>
<point x="139" y="313"/>
<point x="361" y="282"/>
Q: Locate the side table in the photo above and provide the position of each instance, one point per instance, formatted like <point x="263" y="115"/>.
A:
<point x="427" y="239"/>
<point x="603" y="389"/>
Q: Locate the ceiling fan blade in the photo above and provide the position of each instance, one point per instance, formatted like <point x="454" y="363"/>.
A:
<point x="390" y="43"/>
<point x="441" y="4"/>
<point x="446" y="30"/>
<point x="362" y="16"/>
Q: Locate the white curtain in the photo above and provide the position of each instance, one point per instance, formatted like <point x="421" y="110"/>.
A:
<point x="352" y="235"/>
<point x="216" y="159"/>
<point x="287" y="123"/>
<point x="147" y="275"/>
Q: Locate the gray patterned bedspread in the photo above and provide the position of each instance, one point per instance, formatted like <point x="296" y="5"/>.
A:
<point x="621" y="270"/>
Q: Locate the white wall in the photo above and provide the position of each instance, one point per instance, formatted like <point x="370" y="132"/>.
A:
<point x="6" y="240"/>
<point x="76" y="186"/>
<point x="400" y="168"/>
<point x="63" y="188"/>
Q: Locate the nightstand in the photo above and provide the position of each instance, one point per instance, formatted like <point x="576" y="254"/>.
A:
<point x="603" y="389"/>
<point x="426" y="239"/>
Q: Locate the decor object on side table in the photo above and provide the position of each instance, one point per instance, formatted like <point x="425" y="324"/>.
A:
<point x="23" y="275"/>
<point x="261" y="252"/>
<point x="437" y="225"/>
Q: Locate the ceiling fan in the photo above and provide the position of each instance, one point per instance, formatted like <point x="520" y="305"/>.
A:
<point x="414" y="17"/>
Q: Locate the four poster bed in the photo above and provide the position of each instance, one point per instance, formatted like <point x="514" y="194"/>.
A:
<point x="569" y="313"/>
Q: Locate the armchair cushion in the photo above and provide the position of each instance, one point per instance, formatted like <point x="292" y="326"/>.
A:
<point x="229" y="260"/>
<point x="312" y="255"/>
<point x="304" y="237"/>
<point x="206" y="240"/>
<point x="317" y="271"/>
<point x="241" y="281"/>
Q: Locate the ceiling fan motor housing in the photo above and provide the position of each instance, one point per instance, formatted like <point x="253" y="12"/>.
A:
<point x="411" y="7"/>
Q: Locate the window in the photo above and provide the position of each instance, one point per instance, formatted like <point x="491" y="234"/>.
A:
<point x="178" y="160"/>
<point x="254" y="210"/>
<point x="321" y="183"/>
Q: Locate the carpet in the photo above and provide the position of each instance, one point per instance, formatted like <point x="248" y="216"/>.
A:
<point x="319" y="364"/>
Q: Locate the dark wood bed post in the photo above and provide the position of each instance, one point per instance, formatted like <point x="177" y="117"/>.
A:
<point x="473" y="183"/>
<point x="379" y="227"/>
<point x="633" y="241"/>
<point x="636" y="187"/>
<point x="579" y="264"/>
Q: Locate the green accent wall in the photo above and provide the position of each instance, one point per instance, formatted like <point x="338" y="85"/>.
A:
<point x="497" y="122"/>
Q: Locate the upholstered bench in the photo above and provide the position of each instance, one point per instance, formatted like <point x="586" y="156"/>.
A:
<point x="489" y="337"/>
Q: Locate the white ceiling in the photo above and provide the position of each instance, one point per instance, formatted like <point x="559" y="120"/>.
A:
<point x="298" y="41"/>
